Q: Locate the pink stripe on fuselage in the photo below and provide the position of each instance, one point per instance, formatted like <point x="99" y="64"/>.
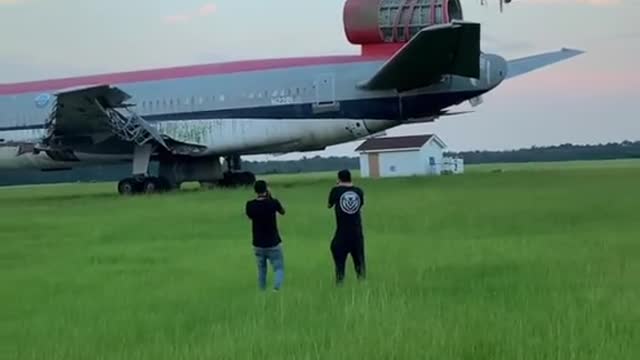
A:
<point x="181" y="72"/>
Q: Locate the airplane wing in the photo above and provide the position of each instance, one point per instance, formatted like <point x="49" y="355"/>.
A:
<point x="527" y="64"/>
<point x="449" y="49"/>
<point x="76" y="112"/>
<point x="92" y="112"/>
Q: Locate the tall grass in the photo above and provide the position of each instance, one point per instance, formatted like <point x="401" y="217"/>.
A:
<point x="514" y="265"/>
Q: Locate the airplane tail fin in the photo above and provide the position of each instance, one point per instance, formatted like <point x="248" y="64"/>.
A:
<point x="452" y="48"/>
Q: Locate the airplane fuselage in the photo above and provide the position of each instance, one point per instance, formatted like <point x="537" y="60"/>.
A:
<point x="241" y="108"/>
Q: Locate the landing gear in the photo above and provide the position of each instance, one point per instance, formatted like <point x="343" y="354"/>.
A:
<point x="140" y="182"/>
<point x="143" y="185"/>
<point x="176" y="170"/>
<point x="233" y="177"/>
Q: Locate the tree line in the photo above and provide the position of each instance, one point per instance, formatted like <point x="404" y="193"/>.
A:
<point x="564" y="152"/>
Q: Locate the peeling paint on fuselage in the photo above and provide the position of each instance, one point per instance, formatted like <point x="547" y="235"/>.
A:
<point x="222" y="137"/>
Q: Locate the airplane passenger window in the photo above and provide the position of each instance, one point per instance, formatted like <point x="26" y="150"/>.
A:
<point x="200" y="100"/>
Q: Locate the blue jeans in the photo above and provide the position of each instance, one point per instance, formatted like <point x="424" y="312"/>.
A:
<point x="276" y="258"/>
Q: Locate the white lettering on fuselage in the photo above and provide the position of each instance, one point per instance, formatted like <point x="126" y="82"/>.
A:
<point x="282" y="100"/>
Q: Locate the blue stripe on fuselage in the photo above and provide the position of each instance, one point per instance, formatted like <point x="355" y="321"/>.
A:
<point x="381" y="108"/>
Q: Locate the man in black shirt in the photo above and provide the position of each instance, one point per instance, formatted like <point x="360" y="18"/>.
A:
<point x="266" y="238"/>
<point x="347" y="201"/>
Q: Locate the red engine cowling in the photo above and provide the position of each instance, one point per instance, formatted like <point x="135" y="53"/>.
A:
<point x="370" y="22"/>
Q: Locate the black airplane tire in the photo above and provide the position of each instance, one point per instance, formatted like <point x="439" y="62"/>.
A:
<point x="127" y="187"/>
<point x="151" y="185"/>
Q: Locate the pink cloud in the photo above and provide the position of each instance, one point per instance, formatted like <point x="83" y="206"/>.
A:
<point x="202" y="11"/>
<point x="10" y="2"/>
<point x="578" y="81"/>
<point x="579" y="2"/>
<point x="207" y="9"/>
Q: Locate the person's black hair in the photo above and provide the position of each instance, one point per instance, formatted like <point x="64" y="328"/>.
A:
<point x="260" y="187"/>
<point x="344" y="175"/>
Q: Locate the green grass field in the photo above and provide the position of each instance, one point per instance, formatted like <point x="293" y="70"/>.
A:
<point x="525" y="264"/>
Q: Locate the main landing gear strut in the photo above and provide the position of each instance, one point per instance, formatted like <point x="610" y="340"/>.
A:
<point x="140" y="182"/>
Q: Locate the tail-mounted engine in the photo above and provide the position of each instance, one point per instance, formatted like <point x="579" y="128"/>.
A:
<point x="382" y="26"/>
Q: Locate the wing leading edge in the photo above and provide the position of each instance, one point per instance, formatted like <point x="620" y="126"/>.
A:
<point x="92" y="111"/>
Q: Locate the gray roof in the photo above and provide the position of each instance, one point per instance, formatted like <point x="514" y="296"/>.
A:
<point x="395" y="142"/>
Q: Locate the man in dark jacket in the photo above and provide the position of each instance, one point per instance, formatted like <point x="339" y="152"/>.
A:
<point x="266" y="238"/>
<point x="347" y="201"/>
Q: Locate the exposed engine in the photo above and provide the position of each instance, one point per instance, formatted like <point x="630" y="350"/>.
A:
<point x="371" y="22"/>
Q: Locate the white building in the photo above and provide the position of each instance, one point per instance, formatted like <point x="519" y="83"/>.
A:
<point x="402" y="156"/>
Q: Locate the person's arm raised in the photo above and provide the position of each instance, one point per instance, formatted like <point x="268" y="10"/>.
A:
<point x="279" y="207"/>
<point x="331" y="201"/>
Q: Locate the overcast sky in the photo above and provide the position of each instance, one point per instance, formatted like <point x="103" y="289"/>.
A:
<point x="588" y="99"/>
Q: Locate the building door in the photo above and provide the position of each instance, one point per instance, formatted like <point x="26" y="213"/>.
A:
<point x="374" y="165"/>
<point x="432" y="165"/>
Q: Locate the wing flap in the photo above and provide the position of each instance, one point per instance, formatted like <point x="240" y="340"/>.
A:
<point x="449" y="49"/>
<point x="76" y="111"/>
<point x="528" y="64"/>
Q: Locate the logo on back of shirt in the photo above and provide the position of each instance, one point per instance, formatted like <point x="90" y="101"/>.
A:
<point x="350" y="202"/>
